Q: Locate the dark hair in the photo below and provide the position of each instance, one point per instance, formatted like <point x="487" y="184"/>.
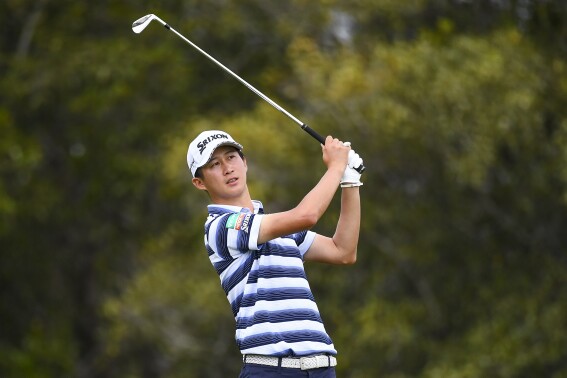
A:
<point x="199" y="172"/>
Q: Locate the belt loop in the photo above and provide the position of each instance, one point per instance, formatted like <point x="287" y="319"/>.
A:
<point x="245" y="358"/>
<point x="329" y="360"/>
<point x="279" y="362"/>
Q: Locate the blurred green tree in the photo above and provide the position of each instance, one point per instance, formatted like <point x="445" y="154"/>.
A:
<point x="456" y="107"/>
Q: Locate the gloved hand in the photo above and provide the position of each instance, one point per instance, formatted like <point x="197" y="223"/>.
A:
<point x="351" y="177"/>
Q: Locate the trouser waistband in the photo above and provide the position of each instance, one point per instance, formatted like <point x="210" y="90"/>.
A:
<point x="303" y="363"/>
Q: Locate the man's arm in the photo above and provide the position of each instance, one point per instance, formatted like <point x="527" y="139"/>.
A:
<point x="315" y="203"/>
<point x="342" y="247"/>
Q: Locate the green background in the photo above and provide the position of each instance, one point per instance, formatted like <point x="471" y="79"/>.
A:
<point x="457" y="107"/>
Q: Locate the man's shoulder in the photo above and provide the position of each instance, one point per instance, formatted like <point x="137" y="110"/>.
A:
<point x="230" y="218"/>
<point x="216" y="209"/>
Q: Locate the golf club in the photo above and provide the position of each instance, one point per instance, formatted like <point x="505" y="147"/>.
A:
<point x="139" y="25"/>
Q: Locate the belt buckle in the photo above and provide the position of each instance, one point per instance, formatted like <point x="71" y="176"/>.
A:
<point x="313" y="362"/>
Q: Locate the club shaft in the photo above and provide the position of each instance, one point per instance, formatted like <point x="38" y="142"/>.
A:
<point x="306" y="128"/>
<point x="303" y="126"/>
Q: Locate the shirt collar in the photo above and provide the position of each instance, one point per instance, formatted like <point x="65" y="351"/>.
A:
<point x="216" y="208"/>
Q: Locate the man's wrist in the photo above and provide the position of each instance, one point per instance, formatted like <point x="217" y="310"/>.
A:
<point x="351" y="184"/>
<point x="336" y="170"/>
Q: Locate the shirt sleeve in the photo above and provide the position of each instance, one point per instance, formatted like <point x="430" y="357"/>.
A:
<point x="303" y="239"/>
<point x="307" y="241"/>
<point x="231" y="235"/>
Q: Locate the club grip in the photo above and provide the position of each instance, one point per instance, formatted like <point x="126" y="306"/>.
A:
<point x="313" y="133"/>
<point x="321" y="140"/>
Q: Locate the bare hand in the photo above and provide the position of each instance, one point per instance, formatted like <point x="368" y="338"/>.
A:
<point x="335" y="154"/>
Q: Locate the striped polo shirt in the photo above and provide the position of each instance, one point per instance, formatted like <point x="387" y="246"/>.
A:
<point x="266" y="285"/>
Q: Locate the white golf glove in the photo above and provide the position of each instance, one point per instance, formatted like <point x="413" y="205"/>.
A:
<point x="351" y="177"/>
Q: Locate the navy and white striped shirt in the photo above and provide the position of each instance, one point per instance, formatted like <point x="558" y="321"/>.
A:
<point x="266" y="286"/>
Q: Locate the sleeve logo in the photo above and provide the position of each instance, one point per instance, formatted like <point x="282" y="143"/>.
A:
<point x="239" y="222"/>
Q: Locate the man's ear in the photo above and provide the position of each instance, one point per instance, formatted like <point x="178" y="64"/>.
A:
<point x="199" y="183"/>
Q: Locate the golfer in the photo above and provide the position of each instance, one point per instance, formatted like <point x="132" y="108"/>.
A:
<point x="259" y="257"/>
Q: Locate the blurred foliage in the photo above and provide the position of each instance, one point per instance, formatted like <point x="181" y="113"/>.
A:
<point x="457" y="108"/>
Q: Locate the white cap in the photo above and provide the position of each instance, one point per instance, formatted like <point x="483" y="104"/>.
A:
<point x="201" y="148"/>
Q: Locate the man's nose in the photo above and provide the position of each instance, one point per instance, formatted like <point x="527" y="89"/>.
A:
<point x="227" y="168"/>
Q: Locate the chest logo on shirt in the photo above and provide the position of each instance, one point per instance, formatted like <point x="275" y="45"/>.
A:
<point x="239" y="222"/>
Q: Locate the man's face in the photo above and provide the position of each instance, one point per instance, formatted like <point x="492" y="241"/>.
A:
<point x="224" y="175"/>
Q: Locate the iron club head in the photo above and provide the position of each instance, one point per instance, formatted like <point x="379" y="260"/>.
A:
<point x="140" y="24"/>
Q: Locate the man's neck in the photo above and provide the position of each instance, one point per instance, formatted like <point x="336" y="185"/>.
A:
<point x="243" y="201"/>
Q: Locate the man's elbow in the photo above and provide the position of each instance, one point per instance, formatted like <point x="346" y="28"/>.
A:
<point x="308" y="220"/>
<point x="349" y="259"/>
